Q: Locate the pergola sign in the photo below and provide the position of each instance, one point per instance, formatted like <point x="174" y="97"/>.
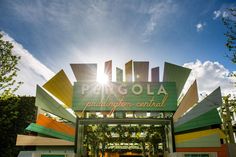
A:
<point x="125" y="96"/>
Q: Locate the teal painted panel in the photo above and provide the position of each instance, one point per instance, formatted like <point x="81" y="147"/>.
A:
<point x="50" y="132"/>
<point x="48" y="103"/>
<point x="212" y="101"/>
<point x="175" y="73"/>
<point x="206" y="141"/>
<point x="206" y="119"/>
<point x="127" y="96"/>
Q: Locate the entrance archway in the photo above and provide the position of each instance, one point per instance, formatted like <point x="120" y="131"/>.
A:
<point x="105" y="136"/>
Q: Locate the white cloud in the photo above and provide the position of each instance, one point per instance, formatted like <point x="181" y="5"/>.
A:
<point x="225" y="14"/>
<point x="157" y="14"/>
<point x="210" y="75"/>
<point x="217" y="14"/>
<point x="223" y="11"/>
<point x="220" y="13"/>
<point x="200" y="26"/>
<point x="32" y="71"/>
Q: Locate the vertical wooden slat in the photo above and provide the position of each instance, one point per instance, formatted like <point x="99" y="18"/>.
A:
<point x="155" y="74"/>
<point x="190" y="98"/>
<point x="175" y="73"/>
<point x="108" y="70"/>
<point x="141" y="71"/>
<point x="129" y="71"/>
<point x="85" y="72"/>
<point x="119" y="75"/>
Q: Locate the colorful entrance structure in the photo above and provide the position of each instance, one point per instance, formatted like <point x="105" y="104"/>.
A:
<point x="135" y="117"/>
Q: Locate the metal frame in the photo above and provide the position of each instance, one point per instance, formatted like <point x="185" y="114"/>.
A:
<point x="87" y="121"/>
<point x="80" y="122"/>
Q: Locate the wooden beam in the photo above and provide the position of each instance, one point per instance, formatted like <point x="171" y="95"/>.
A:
<point x="25" y="140"/>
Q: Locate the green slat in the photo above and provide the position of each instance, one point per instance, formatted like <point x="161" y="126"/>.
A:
<point x="50" y="132"/>
<point x="209" y="118"/>
<point x="175" y="73"/>
<point x="206" y="141"/>
<point x="213" y="100"/>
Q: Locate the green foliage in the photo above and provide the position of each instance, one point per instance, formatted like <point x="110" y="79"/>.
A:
<point x="101" y="135"/>
<point x="231" y="100"/>
<point x="8" y="68"/>
<point x="16" y="114"/>
<point x="226" y="112"/>
<point x="230" y="23"/>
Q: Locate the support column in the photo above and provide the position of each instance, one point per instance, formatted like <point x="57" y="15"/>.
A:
<point x="173" y="135"/>
<point x="79" y="145"/>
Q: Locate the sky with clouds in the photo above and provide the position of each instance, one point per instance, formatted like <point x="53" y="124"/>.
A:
<point x="49" y="35"/>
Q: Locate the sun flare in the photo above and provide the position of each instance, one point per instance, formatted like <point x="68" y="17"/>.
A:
<point x="102" y="78"/>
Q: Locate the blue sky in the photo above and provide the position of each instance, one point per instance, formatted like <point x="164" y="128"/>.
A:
<point x="59" y="32"/>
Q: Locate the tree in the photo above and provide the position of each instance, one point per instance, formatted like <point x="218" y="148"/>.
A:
<point x="8" y="68"/>
<point x="16" y="114"/>
<point x="226" y="111"/>
<point x="230" y="23"/>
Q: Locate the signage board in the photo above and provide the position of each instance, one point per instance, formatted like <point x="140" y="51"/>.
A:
<point x="125" y="96"/>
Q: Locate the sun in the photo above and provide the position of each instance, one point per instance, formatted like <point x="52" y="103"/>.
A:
<point x="102" y="78"/>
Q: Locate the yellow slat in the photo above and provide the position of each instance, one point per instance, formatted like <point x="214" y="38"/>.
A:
<point x="198" y="134"/>
<point x="61" y="87"/>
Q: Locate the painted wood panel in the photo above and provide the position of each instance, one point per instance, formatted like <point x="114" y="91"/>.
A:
<point x="85" y="72"/>
<point x="212" y="101"/>
<point x="61" y="87"/>
<point x="175" y="73"/>
<point x="209" y="118"/>
<point x="221" y="151"/>
<point x="198" y="134"/>
<point x="49" y="132"/>
<point x="108" y="69"/>
<point x="119" y="75"/>
<point x="155" y="74"/>
<point x="206" y="141"/>
<point x="129" y="71"/>
<point x="25" y="140"/>
<point x="48" y="103"/>
<point x="190" y="98"/>
<point x="55" y="125"/>
<point x="141" y="70"/>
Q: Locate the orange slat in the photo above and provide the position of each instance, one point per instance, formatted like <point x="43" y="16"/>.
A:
<point x="55" y="125"/>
